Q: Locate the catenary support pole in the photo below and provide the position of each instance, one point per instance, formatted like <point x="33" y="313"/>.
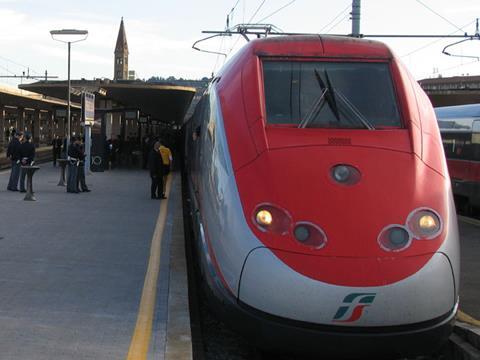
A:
<point x="356" y="18"/>
<point x="68" y="98"/>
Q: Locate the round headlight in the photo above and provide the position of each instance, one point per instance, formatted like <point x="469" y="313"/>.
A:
<point x="424" y="223"/>
<point x="272" y="218"/>
<point x="301" y="233"/>
<point x="264" y="218"/>
<point x="341" y="173"/>
<point x="427" y="222"/>
<point x="310" y="235"/>
<point x="345" y="174"/>
<point x="394" y="238"/>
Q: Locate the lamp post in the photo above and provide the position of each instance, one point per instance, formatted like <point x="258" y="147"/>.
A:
<point x="74" y="33"/>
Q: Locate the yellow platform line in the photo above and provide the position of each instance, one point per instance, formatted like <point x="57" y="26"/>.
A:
<point x="469" y="220"/>
<point x="461" y="316"/>
<point x="142" y="334"/>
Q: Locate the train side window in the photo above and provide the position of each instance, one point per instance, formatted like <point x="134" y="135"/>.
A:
<point x="476" y="140"/>
<point x="458" y="145"/>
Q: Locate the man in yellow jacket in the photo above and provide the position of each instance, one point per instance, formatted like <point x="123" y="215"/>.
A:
<point x="167" y="159"/>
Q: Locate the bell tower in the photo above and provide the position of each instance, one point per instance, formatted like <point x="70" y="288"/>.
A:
<point x="121" y="55"/>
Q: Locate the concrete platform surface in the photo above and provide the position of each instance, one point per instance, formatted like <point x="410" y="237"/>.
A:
<point x="73" y="266"/>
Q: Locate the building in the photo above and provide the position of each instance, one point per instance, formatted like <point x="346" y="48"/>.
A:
<point x="457" y="90"/>
<point x="121" y="55"/>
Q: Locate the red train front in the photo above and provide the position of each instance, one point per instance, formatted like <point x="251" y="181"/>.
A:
<point x="325" y="214"/>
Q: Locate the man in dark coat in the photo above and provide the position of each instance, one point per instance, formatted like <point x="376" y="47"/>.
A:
<point x="27" y="156"/>
<point x="81" y="184"/>
<point x="73" y="153"/>
<point x="56" y="149"/>
<point x="155" y="165"/>
<point x="13" y="153"/>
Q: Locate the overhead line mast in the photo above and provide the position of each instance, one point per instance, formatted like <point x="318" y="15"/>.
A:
<point x="355" y="18"/>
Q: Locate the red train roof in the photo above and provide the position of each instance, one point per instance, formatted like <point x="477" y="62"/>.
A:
<point x="318" y="45"/>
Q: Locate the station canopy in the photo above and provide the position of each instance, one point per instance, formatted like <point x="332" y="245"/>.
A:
<point x="161" y="102"/>
<point x="10" y="96"/>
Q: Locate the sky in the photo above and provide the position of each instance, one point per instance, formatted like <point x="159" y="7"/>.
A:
<point x="160" y="33"/>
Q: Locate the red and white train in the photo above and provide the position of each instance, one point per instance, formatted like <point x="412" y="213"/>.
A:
<point x="460" y="129"/>
<point x="321" y="199"/>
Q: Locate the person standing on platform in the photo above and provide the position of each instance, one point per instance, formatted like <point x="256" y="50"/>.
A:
<point x="81" y="184"/>
<point x="64" y="150"/>
<point x="145" y="151"/>
<point x="27" y="156"/>
<point x="13" y="153"/>
<point x="167" y="160"/>
<point x="156" y="171"/>
<point x="74" y="159"/>
<point x="56" y="149"/>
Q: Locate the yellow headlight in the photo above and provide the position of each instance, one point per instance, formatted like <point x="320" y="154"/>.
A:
<point x="427" y="222"/>
<point x="264" y="217"/>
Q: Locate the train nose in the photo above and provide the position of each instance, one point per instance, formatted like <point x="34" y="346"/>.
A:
<point x="271" y="286"/>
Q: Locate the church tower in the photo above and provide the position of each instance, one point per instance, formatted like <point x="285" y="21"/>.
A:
<point x="121" y="55"/>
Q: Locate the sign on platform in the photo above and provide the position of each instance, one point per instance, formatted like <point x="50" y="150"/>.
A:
<point x="88" y="108"/>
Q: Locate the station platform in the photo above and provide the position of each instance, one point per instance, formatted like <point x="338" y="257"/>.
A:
<point x="98" y="275"/>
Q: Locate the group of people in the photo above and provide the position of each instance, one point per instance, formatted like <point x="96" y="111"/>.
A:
<point x="160" y="164"/>
<point x="76" y="166"/>
<point x="121" y="152"/>
<point x="21" y="152"/>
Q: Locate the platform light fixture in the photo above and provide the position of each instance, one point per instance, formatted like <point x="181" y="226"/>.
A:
<point x="74" y="36"/>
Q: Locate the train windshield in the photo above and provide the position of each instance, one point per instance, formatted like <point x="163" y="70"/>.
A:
<point x="354" y="95"/>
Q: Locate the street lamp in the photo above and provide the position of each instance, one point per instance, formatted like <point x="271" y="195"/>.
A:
<point x="69" y="32"/>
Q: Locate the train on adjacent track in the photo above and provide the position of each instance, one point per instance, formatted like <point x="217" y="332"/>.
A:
<point x="320" y="200"/>
<point x="460" y="129"/>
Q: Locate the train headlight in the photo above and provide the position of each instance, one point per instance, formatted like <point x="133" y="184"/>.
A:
<point x="310" y="235"/>
<point x="394" y="238"/>
<point x="341" y="173"/>
<point x="264" y="218"/>
<point x="272" y="218"/>
<point x="345" y="174"/>
<point x="424" y="224"/>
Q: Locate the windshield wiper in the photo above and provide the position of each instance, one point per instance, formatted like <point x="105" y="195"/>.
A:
<point x="314" y="110"/>
<point x="328" y="93"/>
<point x="331" y="95"/>
<point x="356" y="112"/>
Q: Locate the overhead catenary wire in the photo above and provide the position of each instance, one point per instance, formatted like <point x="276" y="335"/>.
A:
<point x="276" y="11"/>
<point x="438" y="14"/>
<point x="436" y="41"/>
<point x="256" y="11"/>
<point x="230" y="14"/>
<point x="457" y="66"/>
<point x="337" y="23"/>
<point x="7" y="69"/>
<point x="18" y="64"/>
<point x="234" y="7"/>
<point x="335" y="18"/>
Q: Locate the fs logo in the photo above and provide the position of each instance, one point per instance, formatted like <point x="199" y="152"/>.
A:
<point x="352" y="308"/>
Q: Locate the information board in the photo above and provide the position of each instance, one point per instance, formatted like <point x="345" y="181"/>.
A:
<point x="88" y="108"/>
